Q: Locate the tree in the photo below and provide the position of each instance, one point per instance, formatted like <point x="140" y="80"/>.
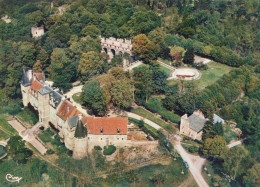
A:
<point x="117" y="61"/>
<point x="90" y="64"/>
<point x="232" y="161"/>
<point x="91" y="30"/>
<point x="62" y="70"/>
<point x="143" y="82"/>
<point x="251" y="178"/>
<point x="189" y="56"/>
<point x="121" y="92"/>
<point x="144" y="48"/>
<point x="94" y="98"/>
<point x="37" y="67"/>
<point x="214" y="147"/>
<point x="159" y="79"/>
<point x="17" y="150"/>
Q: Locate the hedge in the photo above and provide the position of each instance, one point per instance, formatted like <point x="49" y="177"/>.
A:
<point x="220" y="54"/>
<point x="155" y="105"/>
<point x="109" y="150"/>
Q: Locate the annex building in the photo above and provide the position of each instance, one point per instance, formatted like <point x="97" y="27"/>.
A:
<point x="79" y="132"/>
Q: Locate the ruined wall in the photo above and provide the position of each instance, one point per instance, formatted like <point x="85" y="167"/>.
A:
<point x="25" y="95"/>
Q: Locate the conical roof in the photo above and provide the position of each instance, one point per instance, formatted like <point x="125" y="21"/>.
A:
<point x="81" y="131"/>
<point x="25" y="79"/>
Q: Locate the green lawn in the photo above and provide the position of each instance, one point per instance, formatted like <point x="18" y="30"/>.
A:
<point x="76" y="97"/>
<point x="6" y="130"/>
<point x="28" y="116"/>
<point x="2" y="151"/>
<point x="166" y="70"/>
<point x="214" y="72"/>
<point x="165" y="61"/>
<point x="152" y="117"/>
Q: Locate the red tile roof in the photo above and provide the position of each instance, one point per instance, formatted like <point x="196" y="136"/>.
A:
<point x="67" y="110"/>
<point x="39" y="76"/>
<point x="108" y="125"/>
<point x="36" y="85"/>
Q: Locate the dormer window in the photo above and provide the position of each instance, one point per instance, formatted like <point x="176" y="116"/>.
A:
<point x="118" y="131"/>
<point x="101" y="130"/>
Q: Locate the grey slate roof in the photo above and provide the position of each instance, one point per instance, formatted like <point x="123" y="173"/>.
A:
<point x="45" y="90"/>
<point x="217" y="119"/>
<point x="55" y="95"/>
<point x="73" y="121"/>
<point x="196" y="123"/>
<point x="25" y="79"/>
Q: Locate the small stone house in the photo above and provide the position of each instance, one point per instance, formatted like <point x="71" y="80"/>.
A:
<point x="37" y="32"/>
<point x="192" y="126"/>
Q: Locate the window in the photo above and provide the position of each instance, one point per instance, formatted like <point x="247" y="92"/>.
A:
<point x="101" y="130"/>
<point x="118" y="130"/>
<point x="122" y="138"/>
<point x="101" y="138"/>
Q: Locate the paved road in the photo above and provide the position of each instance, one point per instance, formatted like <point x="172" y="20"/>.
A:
<point x="29" y="135"/>
<point x="233" y="144"/>
<point x="195" y="163"/>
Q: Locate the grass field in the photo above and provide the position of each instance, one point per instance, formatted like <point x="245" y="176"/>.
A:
<point x="28" y="116"/>
<point x="214" y="72"/>
<point x="166" y="70"/>
<point x="152" y="117"/>
<point x="5" y="129"/>
<point x="76" y="98"/>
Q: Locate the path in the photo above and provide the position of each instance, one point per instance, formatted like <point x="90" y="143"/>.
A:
<point x="134" y="65"/>
<point x="233" y="144"/>
<point x="70" y="93"/>
<point x="147" y="121"/>
<point x="195" y="162"/>
<point x="166" y="65"/>
<point x="29" y="135"/>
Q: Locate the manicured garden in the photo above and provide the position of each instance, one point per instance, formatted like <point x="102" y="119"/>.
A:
<point x="6" y="130"/>
<point x="28" y="116"/>
<point x="209" y="76"/>
<point x="76" y="97"/>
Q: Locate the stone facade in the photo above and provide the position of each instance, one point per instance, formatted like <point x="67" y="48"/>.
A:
<point x="37" y="32"/>
<point x="192" y="126"/>
<point x="122" y="47"/>
<point x="80" y="133"/>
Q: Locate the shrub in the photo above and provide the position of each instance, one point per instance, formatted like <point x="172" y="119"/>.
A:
<point x="193" y="149"/>
<point x="50" y="151"/>
<point x="109" y="150"/>
<point x="98" y="148"/>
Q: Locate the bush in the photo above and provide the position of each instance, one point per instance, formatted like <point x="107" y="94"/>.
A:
<point x="193" y="149"/>
<point x="50" y="151"/>
<point x="109" y="150"/>
<point x="98" y="148"/>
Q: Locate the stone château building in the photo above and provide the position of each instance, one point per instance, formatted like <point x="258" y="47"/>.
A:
<point x="192" y="126"/>
<point x="80" y="133"/>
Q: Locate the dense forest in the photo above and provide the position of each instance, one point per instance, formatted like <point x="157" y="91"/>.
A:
<point x="224" y="31"/>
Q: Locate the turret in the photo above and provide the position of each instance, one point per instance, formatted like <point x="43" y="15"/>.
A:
<point x="80" y="140"/>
